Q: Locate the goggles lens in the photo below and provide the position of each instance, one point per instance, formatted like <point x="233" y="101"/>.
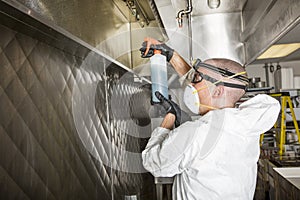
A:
<point x="197" y="77"/>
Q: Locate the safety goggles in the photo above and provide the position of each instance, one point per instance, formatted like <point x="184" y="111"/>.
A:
<point x="225" y="73"/>
<point x="198" y="76"/>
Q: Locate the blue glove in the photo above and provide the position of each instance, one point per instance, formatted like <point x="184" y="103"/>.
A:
<point x="172" y="107"/>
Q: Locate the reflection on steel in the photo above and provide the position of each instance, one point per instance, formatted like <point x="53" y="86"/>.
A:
<point x="254" y="11"/>
<point x="213" y="4"/>
<point x="213" y="35"/>
<point x="201" y="7"/>
<point x="280" y="18"/>
<point x="216" y="36"/>
<point x="96" y="22"/>
<point x="39" y="139"/>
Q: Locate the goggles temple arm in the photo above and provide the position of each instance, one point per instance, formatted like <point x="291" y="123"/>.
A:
<point x="223" y="72"/>
<point x="221" y="82"/>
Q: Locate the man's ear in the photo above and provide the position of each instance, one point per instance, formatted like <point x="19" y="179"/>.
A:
<point x="218" y="91"/>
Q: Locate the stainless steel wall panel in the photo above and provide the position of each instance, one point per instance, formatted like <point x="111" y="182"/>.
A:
<point x="217" y="36"/>
<point x="31" y="147"/>
<point x="19" y="185"/>
<point x="200" y="7"/>
<point x="42" y="155"/>
<point x="214" y="34"/>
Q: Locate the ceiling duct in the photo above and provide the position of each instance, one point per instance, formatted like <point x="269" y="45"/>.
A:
<point x="267" y="23"/>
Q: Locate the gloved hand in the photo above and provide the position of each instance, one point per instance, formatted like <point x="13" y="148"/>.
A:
<point x="150" y="44"/>
<point x="172" y="107"/>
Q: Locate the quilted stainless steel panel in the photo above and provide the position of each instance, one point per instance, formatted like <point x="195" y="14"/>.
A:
<point x="42" y="154"/>
<point x="129" y="113"/>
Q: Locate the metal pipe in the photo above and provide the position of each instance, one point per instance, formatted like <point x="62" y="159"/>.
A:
<point x="190" y="38"/>
<point x="180" y="14"/>
<point x="267" y="74"/>
<point x="179" y="18"/>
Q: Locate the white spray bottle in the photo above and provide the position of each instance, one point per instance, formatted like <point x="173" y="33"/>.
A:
<point x="159" y="76"/>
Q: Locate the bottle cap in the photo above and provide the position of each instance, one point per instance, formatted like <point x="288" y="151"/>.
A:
<point x="156" y="51"/>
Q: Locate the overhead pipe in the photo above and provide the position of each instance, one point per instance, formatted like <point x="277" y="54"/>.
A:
<point x="187" y="11"/>
<point x="190" y="38"/>
<point x="179" y="18"/>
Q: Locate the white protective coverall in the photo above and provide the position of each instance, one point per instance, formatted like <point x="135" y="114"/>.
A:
<point x="214" y="157"/>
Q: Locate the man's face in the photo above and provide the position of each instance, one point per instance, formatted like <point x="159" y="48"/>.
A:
<point x="204" y="89"/>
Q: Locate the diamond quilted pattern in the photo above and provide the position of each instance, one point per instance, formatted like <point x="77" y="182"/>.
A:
<point x="14" y="54"/>
<point x="15" y="92"/>
<point x="38" y="123"/>
<point x="26" y="75"/>
<point x="7" y="110"/>
<point x="42" y="156"/>
<point x="6" y="36"/>
<point x="7" y="72"/>
<point x="26" y="43"/>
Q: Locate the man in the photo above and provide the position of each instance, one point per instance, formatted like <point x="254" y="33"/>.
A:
<point x="214" y="157"/>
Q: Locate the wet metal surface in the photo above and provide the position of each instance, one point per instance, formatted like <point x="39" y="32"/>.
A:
<point x="43" y="154"/>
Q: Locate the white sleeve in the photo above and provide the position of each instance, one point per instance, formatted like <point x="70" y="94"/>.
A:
<point x="170" y="152"/>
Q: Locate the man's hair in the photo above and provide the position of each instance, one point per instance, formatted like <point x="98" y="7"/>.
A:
<point x="234" y="67"/>
<point x="226" y="64"/>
